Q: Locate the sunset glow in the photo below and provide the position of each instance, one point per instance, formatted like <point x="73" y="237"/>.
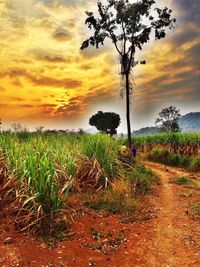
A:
<point x="46" y="79"/>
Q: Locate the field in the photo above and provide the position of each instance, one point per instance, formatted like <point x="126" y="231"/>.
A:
<point x="182" y="143"/>
<point x="46" y="168"/>
<point x="73" y="190"/>
<point x="174" y="149"/>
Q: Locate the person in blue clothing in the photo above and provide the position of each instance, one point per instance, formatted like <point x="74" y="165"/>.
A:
<point x="134" y="151"/>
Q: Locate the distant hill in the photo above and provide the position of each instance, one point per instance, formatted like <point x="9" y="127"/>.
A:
<point x="92" y="130"/>
<point x="147" y="131"/>
<point x="190" y="122"/>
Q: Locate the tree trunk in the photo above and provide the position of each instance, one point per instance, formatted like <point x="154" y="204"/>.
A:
<point x="128" y="109"/>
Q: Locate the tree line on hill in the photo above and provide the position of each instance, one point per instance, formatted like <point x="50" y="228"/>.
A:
<point x="19" y="128"/>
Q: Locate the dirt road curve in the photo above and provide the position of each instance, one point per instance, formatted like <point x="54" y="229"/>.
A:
<point x="170" y="239"/>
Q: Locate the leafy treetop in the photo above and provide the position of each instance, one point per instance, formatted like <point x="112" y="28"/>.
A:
<point x="105" y="121"/>
<point x="128" y="25"/>
<point x="169" y="118"/>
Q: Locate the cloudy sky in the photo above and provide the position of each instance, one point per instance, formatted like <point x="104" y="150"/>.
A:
<point x="46" y="80"/>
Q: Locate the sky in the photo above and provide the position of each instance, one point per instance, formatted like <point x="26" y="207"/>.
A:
<point x="46" y="80"/>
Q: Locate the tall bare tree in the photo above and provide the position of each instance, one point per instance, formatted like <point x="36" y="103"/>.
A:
<point x="129" y="26"/>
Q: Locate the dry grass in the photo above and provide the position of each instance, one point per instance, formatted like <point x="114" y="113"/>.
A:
<point x="89" y="174"/>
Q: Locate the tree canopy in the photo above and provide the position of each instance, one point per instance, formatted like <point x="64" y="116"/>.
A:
<point x="105" y="121"/>
<point x="123" y="22"/>
<point x="168" y="119"/>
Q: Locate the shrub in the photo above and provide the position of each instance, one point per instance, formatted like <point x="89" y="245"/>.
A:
<point x="195" y="164"/>
<point x="118" y="199"/>
<point x="165" y="157"/>
<point x="159" y="155"/>
<point x="195" y="209"/>
<point x="105" y="149"/>
<point x="121" y="196"/>
<point x="141" y="178"/>
<point x="184" y="161"/>
<point x="23" y="136"/>
<point x="182" y="180"/>
<point x="113" y="202"/>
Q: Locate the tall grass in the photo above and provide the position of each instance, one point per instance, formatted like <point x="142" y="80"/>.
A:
<point x="105" y="149"/>
<point x="168" y="138"/>
<point x="165" y="157"/>
<point x="48" y="165"/>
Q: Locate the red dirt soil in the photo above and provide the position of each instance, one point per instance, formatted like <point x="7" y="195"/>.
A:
<point x="170" y="239"/>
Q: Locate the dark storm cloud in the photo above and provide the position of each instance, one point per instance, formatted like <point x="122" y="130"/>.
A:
<point x="190" y="59"/>
<point x="188" y="35"/>
<point x="180" y="78"/>
<point x="183" y="86"/>
<point x="190" y="9"/>
<point x="194" y="52"/>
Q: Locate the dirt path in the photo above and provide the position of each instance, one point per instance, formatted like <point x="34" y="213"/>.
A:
<point x="170" y="239"/>
<point x="176" y="241"/>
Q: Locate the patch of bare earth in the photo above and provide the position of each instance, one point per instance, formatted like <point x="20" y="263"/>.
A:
<point x="169" y="239"/>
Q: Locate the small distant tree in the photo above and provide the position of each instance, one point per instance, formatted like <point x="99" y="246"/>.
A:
<point x="0" y="124"/>
<point x="106" y="122"/>
<point x="17" y="128"/>
<point x="168" y="119"/>
<point x="129" y="25"/>
<point x="39" y="129"/>
<point x="81" y="131"/>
